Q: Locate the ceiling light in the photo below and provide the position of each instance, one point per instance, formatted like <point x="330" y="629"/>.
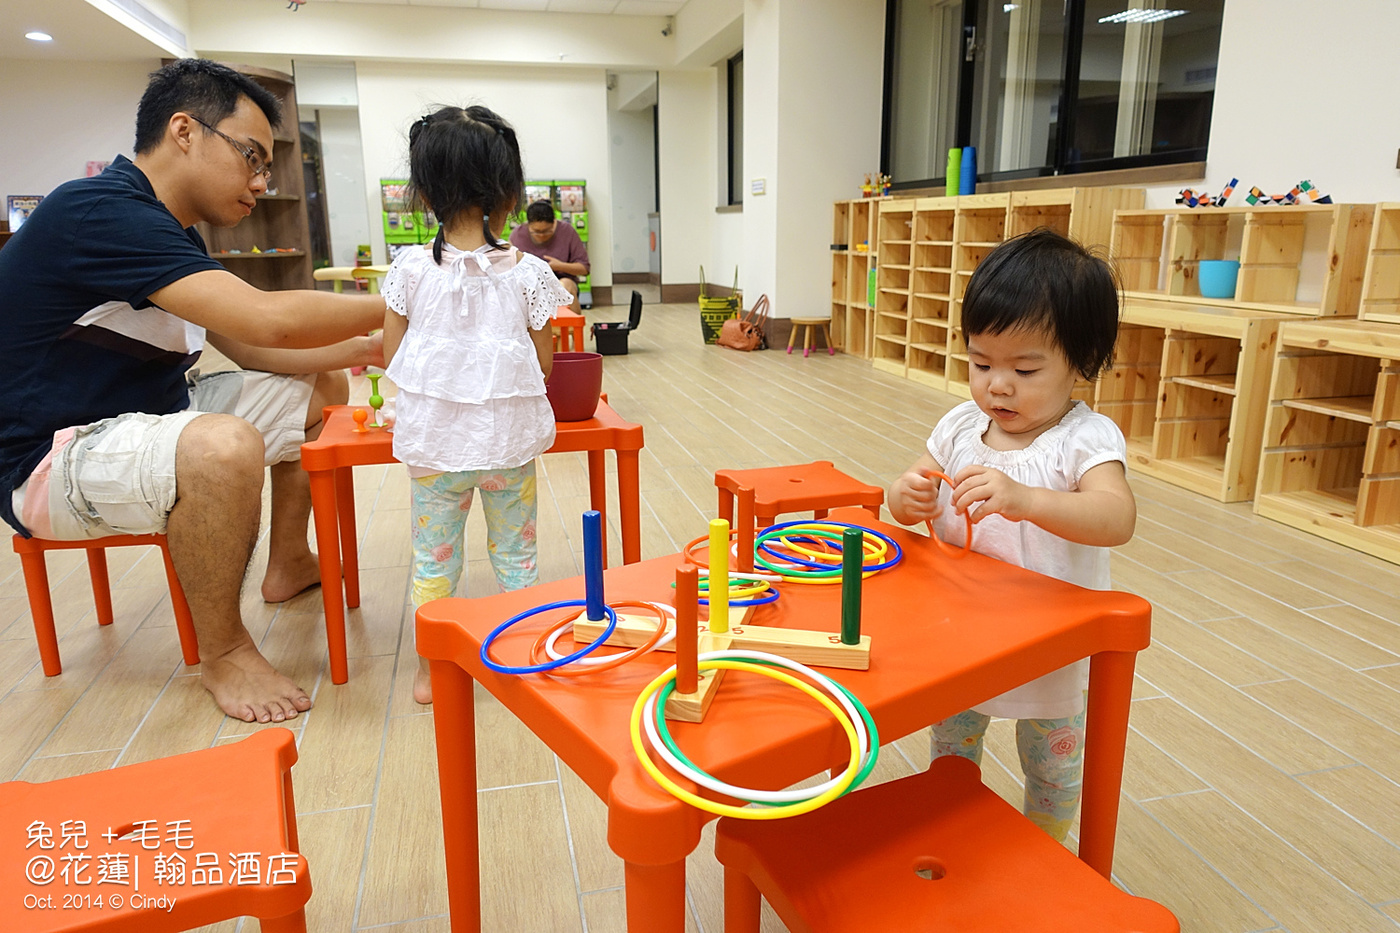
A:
<point x="38" y="36"/>
<point x="1008" y="7"/>
<point x="1142" y="16"/>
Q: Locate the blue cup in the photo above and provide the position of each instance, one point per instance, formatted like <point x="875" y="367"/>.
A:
<point x="1217" y="277"/>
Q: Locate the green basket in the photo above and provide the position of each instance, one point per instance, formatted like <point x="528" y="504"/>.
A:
<point x="715" y="310"/>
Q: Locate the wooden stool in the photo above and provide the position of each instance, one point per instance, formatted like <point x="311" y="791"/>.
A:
<point x="36" y="583"/>
<point x="818" y="486"/>
<point x="936" y="848"/>
<point x="807" y="323"/>
<point x="199" y="838"/>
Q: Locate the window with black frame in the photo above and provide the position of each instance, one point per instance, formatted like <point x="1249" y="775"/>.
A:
<point x="1047" y="87"/>
<point x="736" y="129"/>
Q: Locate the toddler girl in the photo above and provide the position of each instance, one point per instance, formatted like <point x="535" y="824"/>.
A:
<point x="469" y="343"/>
<point x="1042" y="474"/>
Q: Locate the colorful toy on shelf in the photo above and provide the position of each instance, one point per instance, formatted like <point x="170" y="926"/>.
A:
<point x="1190" y="198"/>
<point x="866" y="188"/>
<point x="1294" y="195"/>
<point x="884" y="186"/>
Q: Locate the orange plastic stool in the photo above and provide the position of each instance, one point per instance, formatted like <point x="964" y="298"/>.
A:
<point x="817" y="486"/>
<point x="935" y="848"/>
<point x="36" y="583"/>
<point x="172" y="844"/>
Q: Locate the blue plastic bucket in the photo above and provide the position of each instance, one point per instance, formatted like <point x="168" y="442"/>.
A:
<point x="1218" y="277"/>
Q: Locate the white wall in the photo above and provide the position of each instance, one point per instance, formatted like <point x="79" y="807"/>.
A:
<point x="631" y="150"/>
<point x="811" y="131"/>
<point x="560" y="116"/>
<point x="1322" y="110"/>
<point x="58" y="117"/>
<point x="686" y="124"/>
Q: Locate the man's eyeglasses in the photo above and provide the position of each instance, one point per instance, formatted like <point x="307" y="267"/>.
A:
<point x="255" y="162"/>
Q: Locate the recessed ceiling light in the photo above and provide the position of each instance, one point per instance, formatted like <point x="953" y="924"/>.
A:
<point x="38" y="36"/>
<point x="1142" y="16"/>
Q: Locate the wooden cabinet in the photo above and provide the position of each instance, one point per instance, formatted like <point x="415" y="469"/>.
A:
<point x="1305" y="259"/>
<point x="853" y="264"/>
<point x="928" y="249"/>
<point x="1189" y="389"/>
<point x="278" y="226"/>
<point x="1380" y="292"/>
<point x="1331" y="453"/>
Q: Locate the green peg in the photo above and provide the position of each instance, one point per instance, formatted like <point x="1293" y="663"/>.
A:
<point x="376" y="401"/>
<point x="852" y="568"/>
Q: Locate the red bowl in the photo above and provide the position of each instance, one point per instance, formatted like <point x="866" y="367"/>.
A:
<point x="574" y="385"/>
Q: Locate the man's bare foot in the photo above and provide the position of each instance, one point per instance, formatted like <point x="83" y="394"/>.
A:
<point x="290" y="578"/>
<point x="247" y="687"/>
<point x="422" y="683"/>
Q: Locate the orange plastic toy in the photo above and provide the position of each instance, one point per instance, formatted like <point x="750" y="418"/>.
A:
<point x="165" y="845"/>
<point x="935" y="849"/>
<point x="328" y="461"/>
<point x="816" y="486"/>
<point x="36" y="583"/>
<point x="950" y="634"/>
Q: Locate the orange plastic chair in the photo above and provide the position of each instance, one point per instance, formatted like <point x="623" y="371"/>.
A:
<point x="36" y="583"/>
<point x="172" y="844"/>
<point x="817" y="486"/>
<point x="935" y="848"/>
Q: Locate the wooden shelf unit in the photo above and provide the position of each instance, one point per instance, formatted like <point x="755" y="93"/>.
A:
<point x="1380" y="291"/>
<point x="1302" y="259"/>
<point x="279" y="220"/>
<point x="894" y="228"/>
<point x="854" y="225"/>
<point x="1331" y="452"/>
<point x="924" y="251"/>
<point x="1189" y="389"/>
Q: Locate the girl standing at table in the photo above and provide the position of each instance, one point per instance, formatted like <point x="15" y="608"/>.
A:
<point x="467" y="333"/>
<point x="1043" y="476"/>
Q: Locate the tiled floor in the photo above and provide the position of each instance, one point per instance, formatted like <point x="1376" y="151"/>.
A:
<point x="1262" y="789"/>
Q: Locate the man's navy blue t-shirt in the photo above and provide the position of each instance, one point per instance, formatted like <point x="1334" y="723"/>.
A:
<point x="82" y="341"/>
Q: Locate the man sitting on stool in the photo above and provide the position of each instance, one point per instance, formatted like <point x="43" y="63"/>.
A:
<point x="557" y="244"/>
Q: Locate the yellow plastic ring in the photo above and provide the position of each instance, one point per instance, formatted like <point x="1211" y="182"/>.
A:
<point x="724" y="809"/>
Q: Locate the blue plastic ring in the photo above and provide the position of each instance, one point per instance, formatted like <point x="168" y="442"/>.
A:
<point x="548" y="665"/>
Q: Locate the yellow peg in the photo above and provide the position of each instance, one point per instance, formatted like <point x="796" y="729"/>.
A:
<point x="719" y="576"/>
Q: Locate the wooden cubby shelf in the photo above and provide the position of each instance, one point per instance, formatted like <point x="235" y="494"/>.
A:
<point x="1188" y="388"/>
<point x="1301" y="259"/>
<point x="1331" y="453"/>
<point x="1380" y="293"/>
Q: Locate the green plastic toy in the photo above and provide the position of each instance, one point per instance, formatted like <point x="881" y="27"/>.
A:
<point x="376" y="401"/>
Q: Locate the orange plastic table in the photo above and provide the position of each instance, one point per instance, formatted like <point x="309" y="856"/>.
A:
<point x="946" y="635"/>
<point x="566" y="324"/>
<point x="329" y="459"/>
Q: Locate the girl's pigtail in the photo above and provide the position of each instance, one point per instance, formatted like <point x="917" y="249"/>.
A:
<point x="437" y="243"/>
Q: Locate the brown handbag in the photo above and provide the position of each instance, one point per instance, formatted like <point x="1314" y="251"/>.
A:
<point x="746" y="333"/>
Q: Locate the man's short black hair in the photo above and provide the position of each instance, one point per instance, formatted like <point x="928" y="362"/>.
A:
<point x="540" y="212"/>
<point x="200" y="88"/>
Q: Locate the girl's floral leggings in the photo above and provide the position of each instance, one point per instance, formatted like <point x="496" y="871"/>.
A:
<point x="441" y="503"/>
<point x="1052" y="759"/>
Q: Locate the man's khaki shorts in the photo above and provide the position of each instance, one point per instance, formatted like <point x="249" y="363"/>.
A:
<point x="117" y="476"/>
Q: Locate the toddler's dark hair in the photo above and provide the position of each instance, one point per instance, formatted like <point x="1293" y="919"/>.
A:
<point x="1044" y="282"/>
<point x="539" y="212"/>
<point x="461" y="158"/>
<point x="201" y="88"/>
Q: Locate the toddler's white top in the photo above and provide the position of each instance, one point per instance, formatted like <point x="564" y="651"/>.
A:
<point x="1055" y="460"/>
<point x="471" y="392"/>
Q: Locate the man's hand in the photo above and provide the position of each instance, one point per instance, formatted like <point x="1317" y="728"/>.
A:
<point x="992" y="492"/>
<point x="375" y="349"/>
<point x="555" y="265"/>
